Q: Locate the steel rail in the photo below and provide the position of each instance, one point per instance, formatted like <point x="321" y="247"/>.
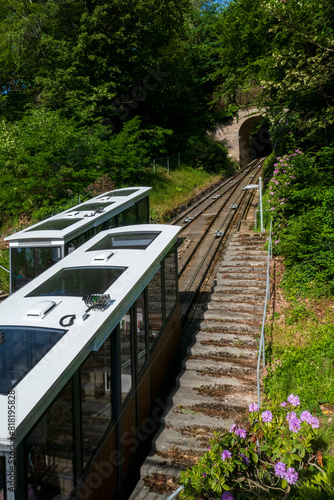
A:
<point x="192" y="209"/>
<point x="211" y="193"/>
<point x="212" y="222"/>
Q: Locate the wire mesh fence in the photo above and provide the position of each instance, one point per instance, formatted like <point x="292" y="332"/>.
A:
<point x="169" y="162"/>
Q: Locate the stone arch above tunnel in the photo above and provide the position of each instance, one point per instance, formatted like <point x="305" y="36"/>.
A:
<point x="236" y="136"/>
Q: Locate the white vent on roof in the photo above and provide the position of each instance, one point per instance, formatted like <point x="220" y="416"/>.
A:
<point x="71" y="214"/>
<point x="104" y="198"/>
<point x="103" y="257"/>
<point x="41" y="309"/>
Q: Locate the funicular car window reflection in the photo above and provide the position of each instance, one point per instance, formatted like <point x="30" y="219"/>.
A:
<point x="143" y="211"/>
<point x="91" y="207"/>
<point x="78" y="281"/>
<point x="124" y="192"/>
<point x="155" y="307"/>
<point x="29" y="262"/>
<point x="21" y="349"/>
<point x="132" y="240"/>
<point x="96" y="409"/>
<point x="126" y="355"/>
<point x="170" y="281"/>
<point x="141" y="332"/>
<point x="49" y="460"/>
<point x="53" y="225"/>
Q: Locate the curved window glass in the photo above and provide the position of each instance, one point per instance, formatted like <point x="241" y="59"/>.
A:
<point x="132" y="240"/>
<point x="21" y="349"/>
<point x="78" y="281"/>
<point x="29" y="262"/>
<point x="54" y="225"/>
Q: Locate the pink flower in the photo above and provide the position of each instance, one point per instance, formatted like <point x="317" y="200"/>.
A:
<point x="253" y="407"/>
<point x="277" y="241"/>
<point x="226" y="454"/>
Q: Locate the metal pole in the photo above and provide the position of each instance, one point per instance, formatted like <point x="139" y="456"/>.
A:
<point x="167" y="163"/>
<point x="154" y="166"/>
<point x="173" y="495"/>
<point x="261" y="211"/>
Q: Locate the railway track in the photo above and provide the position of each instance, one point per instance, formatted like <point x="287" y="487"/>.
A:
<point x="206" y="226"/>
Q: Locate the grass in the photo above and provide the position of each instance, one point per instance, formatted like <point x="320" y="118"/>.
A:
<point x="300" y="340"/>
<point x="175" y="187"/>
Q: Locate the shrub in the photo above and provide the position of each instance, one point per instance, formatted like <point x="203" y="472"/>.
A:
<point x="272" y="456"/>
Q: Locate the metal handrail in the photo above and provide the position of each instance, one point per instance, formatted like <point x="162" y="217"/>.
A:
<point x="173" y="495"/>
<point x="267" y="297"/>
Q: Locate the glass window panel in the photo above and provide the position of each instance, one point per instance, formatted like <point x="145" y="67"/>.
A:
<point x="170" y="268"/>
<point x="92" y="207"/>
<point x="119" y="192"/>
<point x="143" y="211"/>
<point x="20" y="350"/>
<point x="111" y="223"/>
<point x="141" y="332"/>
<point x="75" y="243"/>
<point x="133" y="240"/>
<point x="54" y="225"/>
<point x="78" y="281"/>
<point x="29" y="262"/>
<point x="50" y="451"/>
<point x="95" y="376"/>
<point x="155" y="315"/>
<point x="126" y="357"/>
<point x="130" y="216"/>
<point x="91" y="232"/>
<point x="121" y="219"/>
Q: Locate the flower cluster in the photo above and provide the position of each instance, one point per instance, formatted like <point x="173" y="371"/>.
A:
<point x="227" y="496"/>
<point x="267" y="416"/>
<point x="306" y="416"/>
<point x="290" y="475"/>
<point x="226" y="454"/>
<point x="253" y="407"/>
<point x="293" y="400"/>
<point x="238" y="431"/>
<point x="280" y="435"/>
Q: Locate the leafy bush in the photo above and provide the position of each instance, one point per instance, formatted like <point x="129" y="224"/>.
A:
<point x="209" y="155"/>
<point x="273" y="456"/>
<point x="301" y="196"/>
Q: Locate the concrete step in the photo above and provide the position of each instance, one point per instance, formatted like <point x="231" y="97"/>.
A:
<point x="222" y="366"/>
<point x="228" y="306"/>
<point x="226" y="338"/>
<point x="236" y="272"/>
<point x="245" y="247"/>
<point x="234" y="316"/>
<point x="241" y="298"/>
<point x="189" y="397"/>
<point x="249" y="266"/>
<point x="228" y="351"/>
<point x="209" y="325"/>
<point x="220" y="280"/>
<point x="238" y="289"/>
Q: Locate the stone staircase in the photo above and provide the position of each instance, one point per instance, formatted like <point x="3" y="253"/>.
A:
<point x="218" y="380"/>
